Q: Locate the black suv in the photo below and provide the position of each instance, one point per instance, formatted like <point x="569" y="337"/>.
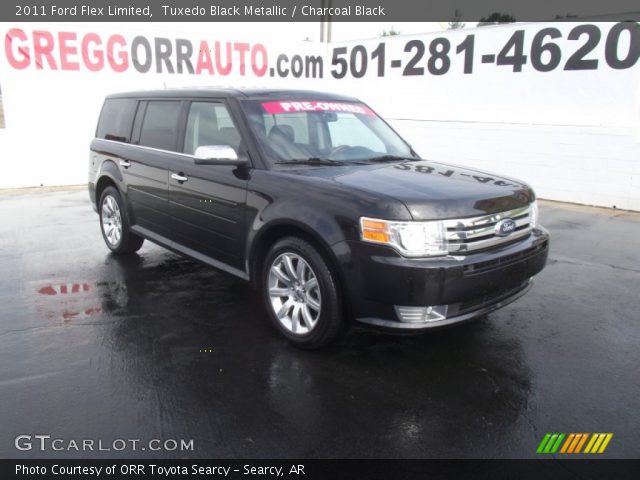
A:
<point x="317" y="202"/>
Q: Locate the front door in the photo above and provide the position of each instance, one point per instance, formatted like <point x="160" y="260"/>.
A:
<point x="207" y="202"/>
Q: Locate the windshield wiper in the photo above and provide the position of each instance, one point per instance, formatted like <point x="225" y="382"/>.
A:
<point x="391" y="158"/>
<point x="310" y="161"/>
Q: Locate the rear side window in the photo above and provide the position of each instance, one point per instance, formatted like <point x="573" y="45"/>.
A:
<point x="115" y="120"/>
<point x="160" y="125"/>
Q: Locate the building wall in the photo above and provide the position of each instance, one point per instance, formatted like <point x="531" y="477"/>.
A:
<point x="573" y="134"/>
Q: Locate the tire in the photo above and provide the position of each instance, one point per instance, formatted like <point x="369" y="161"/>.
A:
<point x="115" y="224"/>
<point x="320" y="315"/>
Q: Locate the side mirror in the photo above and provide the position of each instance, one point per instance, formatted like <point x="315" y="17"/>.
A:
<point x="217" y="155"/>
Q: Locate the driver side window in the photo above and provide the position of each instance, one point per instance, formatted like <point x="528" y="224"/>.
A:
<point x="210" y="123"/>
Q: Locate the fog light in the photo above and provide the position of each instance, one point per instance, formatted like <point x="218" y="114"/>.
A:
<point x="421" y="314"/>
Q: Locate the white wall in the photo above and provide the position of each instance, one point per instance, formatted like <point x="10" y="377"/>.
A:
<point x="574" y="135"/>
<point x="591" y="165"/>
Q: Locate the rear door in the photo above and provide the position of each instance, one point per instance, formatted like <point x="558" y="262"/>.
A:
<point x="156" y="134"/>
<point x="207" y="202"/>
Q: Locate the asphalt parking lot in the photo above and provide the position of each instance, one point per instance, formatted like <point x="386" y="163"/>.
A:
<point x="159" y="347"/>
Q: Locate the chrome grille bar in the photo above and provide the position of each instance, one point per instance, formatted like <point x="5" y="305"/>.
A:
<point x="478" y="233"/>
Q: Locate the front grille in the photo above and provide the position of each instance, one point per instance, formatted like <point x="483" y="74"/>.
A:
<point x="478" y="233"/>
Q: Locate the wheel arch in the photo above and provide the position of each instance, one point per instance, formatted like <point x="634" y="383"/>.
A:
<point x="109" y="174"/>
<point x="275" y="231"/>
<point x="103" y="182"/>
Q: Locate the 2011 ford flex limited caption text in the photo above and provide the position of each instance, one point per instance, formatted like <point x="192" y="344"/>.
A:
<point x="317" y="202"/>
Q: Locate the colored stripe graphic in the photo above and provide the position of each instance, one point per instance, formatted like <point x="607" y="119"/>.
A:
<point x="543" y="443"/>
<point x="576" y="443"/>
<point x="583" y="439"/>
<point x="598" y="443"/>
<point x="604" y="445"/>
<point x="556" y="443"/>
<point x="566" y="445"/>
<point x="599" y="439"/>
<point x="555" y="447"/>
<point x="550" y="443"/>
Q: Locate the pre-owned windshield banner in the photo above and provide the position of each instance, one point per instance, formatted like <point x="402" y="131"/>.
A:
<point x="316" y="106"/>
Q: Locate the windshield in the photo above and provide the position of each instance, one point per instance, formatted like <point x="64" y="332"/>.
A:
<point x="322" y="132"/>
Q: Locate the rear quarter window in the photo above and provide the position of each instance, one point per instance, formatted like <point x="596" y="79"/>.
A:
<point x="116" y="119"/>
<point x="160" y="125"/>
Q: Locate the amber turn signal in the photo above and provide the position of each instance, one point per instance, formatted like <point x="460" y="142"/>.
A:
<point x="374" y="230"/>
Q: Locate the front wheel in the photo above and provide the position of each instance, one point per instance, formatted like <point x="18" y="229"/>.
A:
<point x="114" y="223"/>
<point x="301" y="294"/>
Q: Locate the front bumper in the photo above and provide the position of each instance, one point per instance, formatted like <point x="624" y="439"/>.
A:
<point x="378" y="280"/>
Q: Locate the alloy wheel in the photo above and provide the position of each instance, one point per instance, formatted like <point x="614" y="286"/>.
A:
<point x="295" y="293"/>
<point x="111" y="220"/>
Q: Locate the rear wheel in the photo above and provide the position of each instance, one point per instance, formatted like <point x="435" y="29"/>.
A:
<point x="114" y="223"/>
<point x="301" y="294"/>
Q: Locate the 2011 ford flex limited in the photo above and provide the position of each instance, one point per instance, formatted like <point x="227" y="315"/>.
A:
<point x="317" y="202"/>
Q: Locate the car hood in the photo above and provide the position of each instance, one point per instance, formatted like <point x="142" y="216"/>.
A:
<point x="432" y="190"/>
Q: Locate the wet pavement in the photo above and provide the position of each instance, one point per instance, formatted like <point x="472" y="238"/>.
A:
<point x="159" y="347"/>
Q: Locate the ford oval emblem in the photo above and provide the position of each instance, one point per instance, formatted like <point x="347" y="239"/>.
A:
<point x="505" y="227"/>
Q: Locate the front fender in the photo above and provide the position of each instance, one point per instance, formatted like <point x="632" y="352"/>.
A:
<point x="322" y="226"/>
<point x="324" y="229"/>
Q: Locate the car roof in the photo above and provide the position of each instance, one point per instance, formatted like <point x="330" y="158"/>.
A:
<point x="245" y="93"/>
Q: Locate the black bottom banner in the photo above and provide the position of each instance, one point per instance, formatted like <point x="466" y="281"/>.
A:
<point x="318" y="469"/>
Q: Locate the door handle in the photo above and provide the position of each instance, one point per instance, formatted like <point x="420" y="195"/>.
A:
<point x="178" y="177"/>
<point x="125" y="164"/>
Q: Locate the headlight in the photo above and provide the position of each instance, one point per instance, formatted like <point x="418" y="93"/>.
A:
<point x="411" y="239"/>
<point x="535" y="217"/>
